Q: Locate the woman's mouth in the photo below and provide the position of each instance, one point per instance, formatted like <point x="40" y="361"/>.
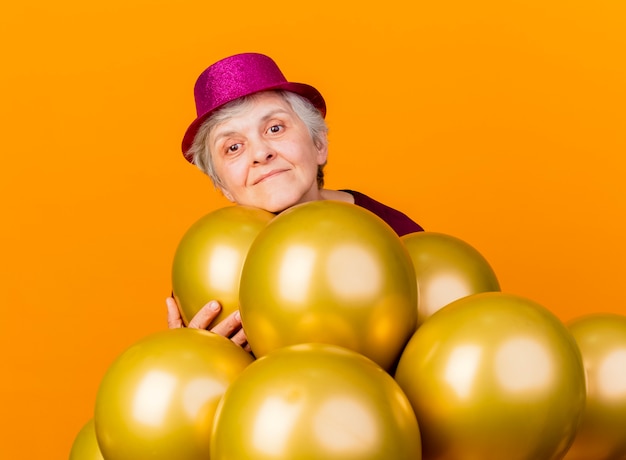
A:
<point x="268" y="175"/>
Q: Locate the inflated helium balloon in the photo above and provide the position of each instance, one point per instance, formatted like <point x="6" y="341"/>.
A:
<point x="208" y="259"/>
<point x="158" y="398"/>
<point x="85" y="445"/>
<point x="601" y="338"/>
<point x="329" y="272"/>
<point x="315" y="401"/>
<point x="494" y="376"/>
<point x="447" y="269"/>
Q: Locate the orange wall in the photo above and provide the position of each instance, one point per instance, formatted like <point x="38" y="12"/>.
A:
<point x="502" y="123"/>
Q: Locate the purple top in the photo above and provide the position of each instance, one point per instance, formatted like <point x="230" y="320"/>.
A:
<point x="397" y="220"/>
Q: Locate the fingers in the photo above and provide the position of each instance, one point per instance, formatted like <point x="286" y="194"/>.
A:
<point x="239" y="338"/>
<point x="174" y="320"/>
<point x="205" y="316"/>
<point x="229" y="325"/>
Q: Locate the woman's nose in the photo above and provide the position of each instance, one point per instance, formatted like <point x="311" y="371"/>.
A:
<point x="263" y="152"/>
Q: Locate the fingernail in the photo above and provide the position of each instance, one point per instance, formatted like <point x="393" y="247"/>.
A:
<point x="214" y="306"/>
<point x="238" y="315"/>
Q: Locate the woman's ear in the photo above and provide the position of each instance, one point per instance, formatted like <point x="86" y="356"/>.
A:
<point x="322" y="151"/>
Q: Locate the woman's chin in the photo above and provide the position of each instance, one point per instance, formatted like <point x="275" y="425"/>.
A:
<point x="280" y="204"/>
<point x="284" y="199"/>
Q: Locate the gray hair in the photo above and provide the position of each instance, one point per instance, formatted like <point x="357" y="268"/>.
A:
<point x="310" y="116"/>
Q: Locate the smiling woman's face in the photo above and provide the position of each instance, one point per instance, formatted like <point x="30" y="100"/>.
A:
<point x="265" y="157"/>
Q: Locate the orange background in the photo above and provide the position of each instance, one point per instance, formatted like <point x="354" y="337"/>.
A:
<point x="502" y="123"/>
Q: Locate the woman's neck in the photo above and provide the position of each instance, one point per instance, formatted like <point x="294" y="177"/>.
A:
<point x="336" y="195"/>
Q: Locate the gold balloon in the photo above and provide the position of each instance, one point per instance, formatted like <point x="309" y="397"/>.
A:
<point x="601" y="338"/>
<point x="447" y="269"/>
<point x="208" y="259"/>
<point x="158" y="398"/>
<point x="315" y="401"/>
<point x="85" y="445"/>
<point x="329" y="272"/>
<point x="494" y="376"/>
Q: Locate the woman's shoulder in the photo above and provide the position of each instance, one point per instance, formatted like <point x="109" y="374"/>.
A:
<point x="398" y="220"/>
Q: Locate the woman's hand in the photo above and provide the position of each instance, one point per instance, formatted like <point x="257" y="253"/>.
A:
<point x="229" y="327"/>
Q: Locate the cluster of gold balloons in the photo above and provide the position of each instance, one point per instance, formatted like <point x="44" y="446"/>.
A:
<point x="366" y="346"/>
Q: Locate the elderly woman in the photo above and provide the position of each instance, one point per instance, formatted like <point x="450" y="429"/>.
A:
<point x="263" y="142"/>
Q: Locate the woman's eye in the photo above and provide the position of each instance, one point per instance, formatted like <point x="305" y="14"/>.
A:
<point x="233" y="148"/>
<point x="275" y="129"/>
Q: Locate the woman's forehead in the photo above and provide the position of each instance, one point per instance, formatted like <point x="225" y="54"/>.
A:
<point x="258" y="108"/>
